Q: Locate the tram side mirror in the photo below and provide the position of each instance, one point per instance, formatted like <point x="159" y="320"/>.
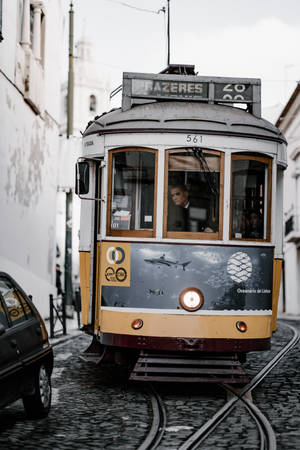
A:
<point x="82" y="182"/>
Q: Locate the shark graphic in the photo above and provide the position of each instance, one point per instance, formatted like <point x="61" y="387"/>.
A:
<point x="162" y="261"/>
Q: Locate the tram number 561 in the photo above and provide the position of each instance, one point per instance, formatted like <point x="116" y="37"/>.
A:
<point x="194" y="138"/>
<point x="234" y="92"/>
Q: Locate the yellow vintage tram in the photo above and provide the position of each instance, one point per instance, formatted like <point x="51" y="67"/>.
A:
<point x="181" y="219"/>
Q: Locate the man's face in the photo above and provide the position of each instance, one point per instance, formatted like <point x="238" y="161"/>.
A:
<point x="179" y="197"/>
<point x="254" y="221"/>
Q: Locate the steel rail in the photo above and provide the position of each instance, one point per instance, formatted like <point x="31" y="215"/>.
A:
<point x="205" y="430"/>
<point x="270" y="442"/>
<point x="159" y="422"/>
<point x="267" y="434"/>
<point x="274" y="361"/>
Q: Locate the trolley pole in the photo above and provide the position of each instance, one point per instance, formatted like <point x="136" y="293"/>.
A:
<point x="71" y="73"/>
<point x="1" y="36"/>
<point x="168" y="34"/>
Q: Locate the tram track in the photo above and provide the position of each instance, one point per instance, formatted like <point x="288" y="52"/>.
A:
<point x="159" y="422"/>
<point x="267" y="435"/>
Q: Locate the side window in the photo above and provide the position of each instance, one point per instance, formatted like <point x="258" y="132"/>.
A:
<point x="3" y="317"/>
<point x="17" y="307"/>
<point x="131" y="206"/>
<point x="193" y="193"/>
<point x="250" y="197"/>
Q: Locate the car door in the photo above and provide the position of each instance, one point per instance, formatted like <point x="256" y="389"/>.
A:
<point x="25" y="330"/>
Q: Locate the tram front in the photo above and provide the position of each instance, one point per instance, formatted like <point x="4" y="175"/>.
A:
<point x="181" y="220"/>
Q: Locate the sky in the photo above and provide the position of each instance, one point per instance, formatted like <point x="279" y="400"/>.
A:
<point x="235" y="38"/>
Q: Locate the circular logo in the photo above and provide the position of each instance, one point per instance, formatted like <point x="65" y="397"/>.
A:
<point x="239" y="267"/>
<point x="121" y="274"/>
<point x="115" y="255"/>
<point x="110" y="274"/>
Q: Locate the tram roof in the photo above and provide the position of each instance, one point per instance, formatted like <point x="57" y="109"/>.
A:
<point x="182" y="117"/>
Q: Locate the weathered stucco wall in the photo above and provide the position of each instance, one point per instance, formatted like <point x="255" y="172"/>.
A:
<point x="29" y="148"/>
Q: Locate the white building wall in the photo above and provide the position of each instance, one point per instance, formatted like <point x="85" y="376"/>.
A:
<point x="29" y="145"/>
<point x="291" y="258"/>
<point x="290" y="126"/>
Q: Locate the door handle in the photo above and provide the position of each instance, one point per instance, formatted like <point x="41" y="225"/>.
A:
<point x="14" y="344"/>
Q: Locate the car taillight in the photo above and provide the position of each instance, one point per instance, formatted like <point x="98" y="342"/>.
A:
<point x="43" y="328"/>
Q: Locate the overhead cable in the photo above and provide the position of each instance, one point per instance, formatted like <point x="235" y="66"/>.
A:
<point x="137" y="8"/>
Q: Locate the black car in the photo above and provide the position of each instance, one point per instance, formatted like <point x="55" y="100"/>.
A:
<point x="26" y="356"/>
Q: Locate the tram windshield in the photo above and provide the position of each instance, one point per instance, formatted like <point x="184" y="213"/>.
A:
<point x="193" y="192"/>
<point x="132" y="190"/>
<point x="250" y="211"/>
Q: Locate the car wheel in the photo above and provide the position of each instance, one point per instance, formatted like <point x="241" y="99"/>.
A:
<point x="38" y="404"/>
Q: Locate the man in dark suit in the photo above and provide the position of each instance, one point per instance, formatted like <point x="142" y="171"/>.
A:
<point x="185" y="215"/>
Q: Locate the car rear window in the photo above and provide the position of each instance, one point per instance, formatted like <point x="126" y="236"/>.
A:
<point x="17" y="306"/>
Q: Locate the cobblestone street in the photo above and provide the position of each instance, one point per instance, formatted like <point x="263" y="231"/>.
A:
<point x="93" y="408"/>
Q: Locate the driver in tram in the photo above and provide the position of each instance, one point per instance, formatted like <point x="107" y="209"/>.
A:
<point x="185" y="214"/>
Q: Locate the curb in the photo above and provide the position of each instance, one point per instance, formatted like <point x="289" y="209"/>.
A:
<point x="284" y="316"/>
<point x="64" y="338"/>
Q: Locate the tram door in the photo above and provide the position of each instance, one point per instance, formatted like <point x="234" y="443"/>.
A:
<point x="96" y="244"/>
<point x="88" y="187"/>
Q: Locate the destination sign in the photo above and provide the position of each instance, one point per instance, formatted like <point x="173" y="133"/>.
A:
<point x="137" y="86"/>
<point x="169" y="88"/>
<point x="236" y="92"/>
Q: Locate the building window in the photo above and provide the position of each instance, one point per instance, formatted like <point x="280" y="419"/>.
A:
<point x="93" y="103"/>
<point x="31" y="23"/>
<point x="33" y="28"/>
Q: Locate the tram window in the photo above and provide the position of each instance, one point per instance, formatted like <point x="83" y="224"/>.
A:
<point x="193" y="193"/>
<point x="132" y="191"/>
<point x="250" y="210"/>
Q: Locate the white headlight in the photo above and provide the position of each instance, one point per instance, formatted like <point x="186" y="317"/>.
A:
<point x="191" y="299"/>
